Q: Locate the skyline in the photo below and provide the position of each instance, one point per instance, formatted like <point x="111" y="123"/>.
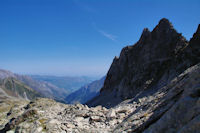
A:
<point x="81" y="38"/>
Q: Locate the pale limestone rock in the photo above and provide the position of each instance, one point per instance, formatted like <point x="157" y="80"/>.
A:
<point x="111" y="114"/>
<point x="78" y="119"/>
<point x="95" y="119"/>
<point x="39" y="129"/>
<point x="69" y="125"/>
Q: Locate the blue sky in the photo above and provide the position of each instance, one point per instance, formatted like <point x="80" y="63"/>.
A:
<point x="81" y="37"/>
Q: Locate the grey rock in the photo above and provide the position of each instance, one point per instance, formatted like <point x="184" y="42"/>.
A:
<point x="148" y="64"/>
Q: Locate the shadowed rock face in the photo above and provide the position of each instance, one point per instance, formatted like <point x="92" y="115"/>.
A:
<point x="192" y="52"/>
<point x="150" y="64"/>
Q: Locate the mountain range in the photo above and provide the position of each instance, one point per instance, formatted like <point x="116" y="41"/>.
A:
<point x="45" y="89"/>
<point x="11" y="87"/>
<point x="70" y="84"/>
<point x="55" y="87"/>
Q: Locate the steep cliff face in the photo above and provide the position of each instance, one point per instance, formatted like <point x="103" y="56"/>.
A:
<point x="148" y="65"/>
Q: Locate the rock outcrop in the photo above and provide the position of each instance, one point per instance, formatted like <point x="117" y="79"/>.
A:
<point x="173" y="108"/>
<point x="151" y="63"/>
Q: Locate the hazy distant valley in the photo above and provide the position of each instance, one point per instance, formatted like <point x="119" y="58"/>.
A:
<point x="54" y="87"/>
<point x="70" y="84"/>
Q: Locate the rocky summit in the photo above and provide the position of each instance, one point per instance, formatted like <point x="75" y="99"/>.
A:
<point x="150" y="64"/>
<point x="153" y="87"/>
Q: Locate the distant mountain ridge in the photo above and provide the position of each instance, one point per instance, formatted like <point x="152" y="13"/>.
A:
<point x="47" y="89"/>
<point x="86" y="92"/>
<point x="70" y="84"/>
<point x="43" y="88"/>
<point x="53" y="87"/>
<point x="11" y="87"/>
<point x="6" y="74"/>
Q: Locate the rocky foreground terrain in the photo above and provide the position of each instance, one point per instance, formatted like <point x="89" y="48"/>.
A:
<point x="153" y="87"/>
<point x="173" y="108"/>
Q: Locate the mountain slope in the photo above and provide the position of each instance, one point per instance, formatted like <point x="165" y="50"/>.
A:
<point x="150" y="64"/>
<point x="86" y="92"/>
<point x="6" y="74"/>
<point x="15" y="88"/>
<point x="47" y="89"/>
<point x="44" y="88"/>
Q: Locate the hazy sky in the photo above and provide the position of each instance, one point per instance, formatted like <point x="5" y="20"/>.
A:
<point x="81" y="37"/>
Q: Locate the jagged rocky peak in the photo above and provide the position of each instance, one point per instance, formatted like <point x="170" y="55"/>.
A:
<point x="165" y="31"/>
<point x="145" y="34"/>
<point x="163" y="42"/>
<point x="116" y="58"/>
<point x="164" y="27"/>
<point x="144" y="65"/>
<point x="165" y="24"/>
<point x="163" y="39"/>
<point x="192" y="52"/>
<point x="196" y="35"/>
<point x="198" y="29"/>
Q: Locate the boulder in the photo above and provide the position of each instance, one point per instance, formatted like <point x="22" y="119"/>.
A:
<point x="95" y="119"/>
<point x="111" y="114"/>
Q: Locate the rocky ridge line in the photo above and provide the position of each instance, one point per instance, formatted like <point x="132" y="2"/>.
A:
<point x="148" y="65"/>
